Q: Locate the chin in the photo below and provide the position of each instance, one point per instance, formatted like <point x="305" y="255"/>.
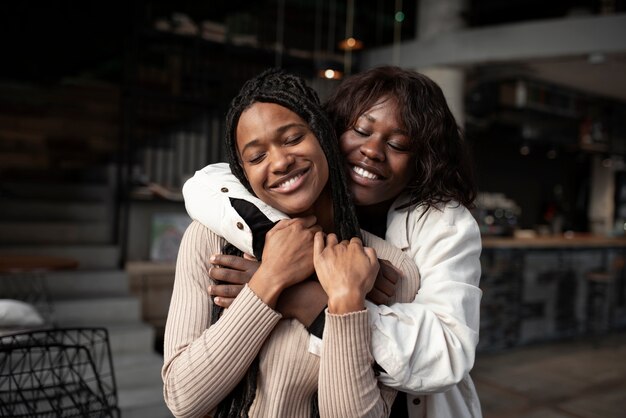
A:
<point x="359" y="197"/>
<point x="295" y="209"/>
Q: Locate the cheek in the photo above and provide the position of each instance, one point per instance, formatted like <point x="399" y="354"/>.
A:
<point x="322" y="163"/>
<point x="254" y="179"/>
<point x="345" y="143"/>
<point x="404" y="170"/>
<point x="324" y="171"/>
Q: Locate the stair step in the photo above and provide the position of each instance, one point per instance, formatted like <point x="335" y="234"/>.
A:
<point x="55" y="233"/>
<point x="143" y="402"/>
<point x="87" y="284"/>
<point x="135" y="370"/>
<point x="97" y="312"/>
<point x="94" y="192"/>
<point x="45" y="210"/>
<point x="89" y="257"/>
<point x="131" y="338"/>
<point x="73" y="220"/>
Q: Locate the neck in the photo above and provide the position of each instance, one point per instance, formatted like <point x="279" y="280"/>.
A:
<point x="323" y="211"/>
<point x="373" y="218"/>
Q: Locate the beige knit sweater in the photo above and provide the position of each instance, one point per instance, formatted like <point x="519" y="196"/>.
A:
<point x="204" y="362"/>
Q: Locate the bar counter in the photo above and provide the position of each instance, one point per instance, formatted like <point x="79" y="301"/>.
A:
<point x="567" y="240"/>
<point x="542" y="288"/>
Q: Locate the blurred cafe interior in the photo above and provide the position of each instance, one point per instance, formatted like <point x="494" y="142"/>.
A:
<point x="106" y="109"/>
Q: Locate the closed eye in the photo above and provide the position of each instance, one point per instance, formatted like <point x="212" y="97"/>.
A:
<point x="360" y="132"/>
<point x="294" y="140"/>
<point x="257" y="158"/>
<point x="398" y="147"/>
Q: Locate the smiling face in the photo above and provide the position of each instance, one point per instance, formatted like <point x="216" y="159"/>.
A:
<point x="281" y="157"/>
<point x="379" y="154"/>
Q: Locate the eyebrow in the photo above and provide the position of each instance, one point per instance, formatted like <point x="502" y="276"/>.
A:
<point x="369" y="117"/>
<point x="279" y="131"/>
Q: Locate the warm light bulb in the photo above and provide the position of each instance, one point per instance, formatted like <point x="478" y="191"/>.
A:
<point x="524" y="150"/>
<point x="350" y="44"/>
<point x="330" y="74"/>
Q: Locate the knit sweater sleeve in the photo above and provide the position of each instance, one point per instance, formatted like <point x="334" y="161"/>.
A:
<point x="347" y="384"/>
<point x="203" y="362"/>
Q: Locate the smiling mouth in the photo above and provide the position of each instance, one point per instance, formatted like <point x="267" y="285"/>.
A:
<point x="289" y="184"/>
<point x="361" y="172"/>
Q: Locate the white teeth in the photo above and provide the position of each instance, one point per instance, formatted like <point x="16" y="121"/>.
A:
<point x="364" y="173"/>
<point x="289" y="182"/>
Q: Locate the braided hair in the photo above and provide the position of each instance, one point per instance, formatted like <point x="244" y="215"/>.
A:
<point x="291" y="92"/>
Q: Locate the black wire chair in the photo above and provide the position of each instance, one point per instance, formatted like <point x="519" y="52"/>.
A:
<point x="57" y="373"/>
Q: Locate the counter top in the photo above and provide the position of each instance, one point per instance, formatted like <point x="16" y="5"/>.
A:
<point x="576" y="240"/>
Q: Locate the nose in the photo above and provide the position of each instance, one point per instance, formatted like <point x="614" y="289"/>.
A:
<point x="373" y="149"/>
<point x="281" y="160"/>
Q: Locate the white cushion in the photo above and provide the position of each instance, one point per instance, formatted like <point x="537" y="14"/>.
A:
<point x="18" y="314"/>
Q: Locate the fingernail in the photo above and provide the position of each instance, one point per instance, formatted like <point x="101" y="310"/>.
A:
<point x="212" y="258"/>
<point x="210" y="289"/>
<point x="217" y="300"/>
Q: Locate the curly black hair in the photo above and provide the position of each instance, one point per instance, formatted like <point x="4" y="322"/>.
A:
<point x="291" y="92"/>
<point x="444" y="170"/>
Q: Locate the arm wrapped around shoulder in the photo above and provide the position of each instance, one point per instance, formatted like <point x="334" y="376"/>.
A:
<point x="429" y="345"/>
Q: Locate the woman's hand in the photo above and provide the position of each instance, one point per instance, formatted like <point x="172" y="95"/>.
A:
<point x="232" y="273"/>
<point x="303" y="301"/>
<point x="346" y="270"/>
<point x="287" y="258"/>
<point x="386" y="283"/>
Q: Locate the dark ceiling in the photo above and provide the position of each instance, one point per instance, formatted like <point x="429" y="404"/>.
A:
<point x="46" y="41"/>
<point x="43" y="41"/>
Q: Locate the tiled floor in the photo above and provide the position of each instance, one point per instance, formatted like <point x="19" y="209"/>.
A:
<point x="581" y="379"/>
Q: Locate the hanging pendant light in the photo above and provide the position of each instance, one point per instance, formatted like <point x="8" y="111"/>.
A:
<point x="280" y="33"/>
<point x="349" y="42"/>
<point x="397" y="32"/>
<point x="326" y="67"/>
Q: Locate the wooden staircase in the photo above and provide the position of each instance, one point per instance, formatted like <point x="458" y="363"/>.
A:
<point x="97" y="293"/>
<point x="57" y="197"/>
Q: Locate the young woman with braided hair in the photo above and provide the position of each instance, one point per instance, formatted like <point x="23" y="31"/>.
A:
<point x="411" y="180"/>
<point x="248" y="360"/>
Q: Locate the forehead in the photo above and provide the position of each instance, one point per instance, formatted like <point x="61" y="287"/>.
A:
<point x="266" y="116"/>
<point x="386" y="110"/>
<point x="263" y="122"/>
<point x="383" y="104"/>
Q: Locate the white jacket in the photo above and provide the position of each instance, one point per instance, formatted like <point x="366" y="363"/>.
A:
<point x="426" y="347"/>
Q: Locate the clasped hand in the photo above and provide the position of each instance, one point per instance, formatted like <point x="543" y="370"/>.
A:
<point x="232" y="273"/>
<point x="287" y="258"/>
<point x="346" y="270"/>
